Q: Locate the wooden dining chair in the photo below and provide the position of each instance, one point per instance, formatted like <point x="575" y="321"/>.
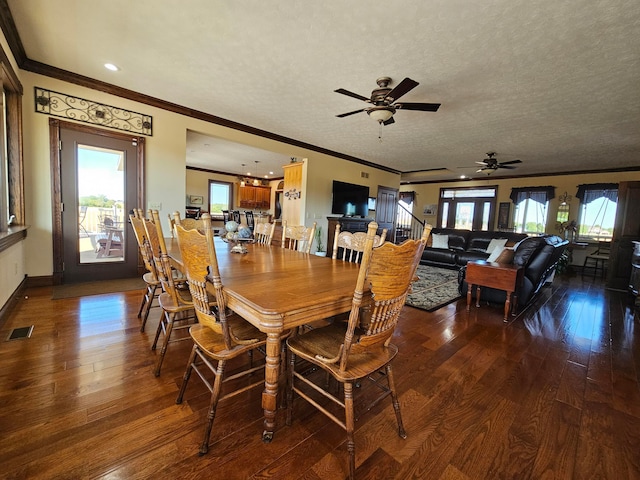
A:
<point x="188" y="223"/>
<point x="263" y="233"/>
<point x="357" y="350"/>
<point x="172" y="223"/>
<point x="349" y="246"/>
<point x="248" y="214"/>
<point x="175" y="299"/>
<point x="150" y="277"/>
<point x="220" y="335"/>
<point x="297" y="237"/>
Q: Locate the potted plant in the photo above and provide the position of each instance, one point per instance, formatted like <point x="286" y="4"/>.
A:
<point x="320" y="249"/>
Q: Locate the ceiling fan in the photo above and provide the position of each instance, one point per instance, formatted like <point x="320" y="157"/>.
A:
<point x="383" y="100"/>
<point x="490" y="164"/>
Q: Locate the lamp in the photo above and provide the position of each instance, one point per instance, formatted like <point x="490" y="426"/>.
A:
<point x="381" y="114"/>
<point x="242" y="182"/>
<point x="256" y="182"/>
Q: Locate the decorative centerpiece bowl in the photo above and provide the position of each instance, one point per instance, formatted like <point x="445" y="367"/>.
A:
<point x="237" y="235"/>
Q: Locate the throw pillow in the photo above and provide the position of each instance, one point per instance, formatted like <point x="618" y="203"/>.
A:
<point x="495" y="254"/>
<point x="440" y="241"/>
<point x="506" y="256"/>
<point x="495" y="243"/>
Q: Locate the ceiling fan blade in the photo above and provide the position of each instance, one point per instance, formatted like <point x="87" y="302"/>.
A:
<point x="506" y="166"/>
<point x="481" y="163"/>
<point x="510" y="162"/>
<point x="480" y="170"/>
<point x="403" y="87"/>
<point x="423" y="107"/>
<point x="351" y="94"/>
<point x="350" y="113"/>
<point x="389" y="122"/>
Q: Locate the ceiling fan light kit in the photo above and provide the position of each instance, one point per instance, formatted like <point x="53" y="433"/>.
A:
<point x="382" y="99"/>
<point x="381" y="114"/>
<point x="490" y="164"/>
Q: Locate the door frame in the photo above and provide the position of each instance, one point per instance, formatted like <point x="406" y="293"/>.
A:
<point x="55" y="126"/>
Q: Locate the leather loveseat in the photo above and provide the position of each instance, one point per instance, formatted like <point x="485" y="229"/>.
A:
<point x="538" y="256"/>
<point x="463" y="246"/>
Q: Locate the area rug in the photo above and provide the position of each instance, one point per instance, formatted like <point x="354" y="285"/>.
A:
<point x="435" y="288"/>
<point x="97" y="288"/>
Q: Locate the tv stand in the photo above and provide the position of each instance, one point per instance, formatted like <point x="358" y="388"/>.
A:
<point x="347" y="224"/>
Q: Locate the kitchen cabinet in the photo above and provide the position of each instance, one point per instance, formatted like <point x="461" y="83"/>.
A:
<point x="252" y="196"/>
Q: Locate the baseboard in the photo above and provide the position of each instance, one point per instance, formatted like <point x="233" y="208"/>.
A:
<point x="44" y="281"/>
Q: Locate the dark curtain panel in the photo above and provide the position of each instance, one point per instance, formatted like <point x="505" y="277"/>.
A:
<point x="538" y="194"/>
<point x="587" y="193"/>
<point x="407" y="197"/>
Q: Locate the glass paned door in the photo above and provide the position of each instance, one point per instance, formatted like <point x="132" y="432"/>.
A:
<point x="464" y="215"/>
<point x="101" y="214"/>
<point x="98" y="183"/>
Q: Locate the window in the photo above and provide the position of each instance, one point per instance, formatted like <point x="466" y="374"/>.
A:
<point x="4" y="165"/>
<point x="598" y="203"/>
<point x="467" y="208"/>
<point x="11" y="169"/>
<point x="220" y="197"/>
<point x="531" y="208"/>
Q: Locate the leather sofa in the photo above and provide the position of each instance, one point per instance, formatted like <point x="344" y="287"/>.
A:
<point x="463" y="246"/>
<point x="538" y="256"/>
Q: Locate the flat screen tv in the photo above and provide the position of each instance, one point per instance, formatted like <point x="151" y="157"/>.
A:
<point x="350" y="200"/>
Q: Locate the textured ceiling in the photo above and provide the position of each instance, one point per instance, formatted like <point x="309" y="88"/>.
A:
<point x="555" y="84"/>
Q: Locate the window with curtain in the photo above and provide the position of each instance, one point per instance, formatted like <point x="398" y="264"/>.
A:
<point x="405" y="209"/>
<point x="531" y="208"/>
<point x="597" y="214"/>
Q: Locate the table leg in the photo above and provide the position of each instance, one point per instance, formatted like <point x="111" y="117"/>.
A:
<point x="270" y="394"/>
<point x="478" y="296"/>
<point x="514" y="305"/>
<point x="507" y="306"/>
<point x="469" y="296"/>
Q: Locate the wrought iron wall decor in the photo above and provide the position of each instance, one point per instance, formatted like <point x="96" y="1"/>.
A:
<point x="83" y="110"/>
<point x="292" y="194"/>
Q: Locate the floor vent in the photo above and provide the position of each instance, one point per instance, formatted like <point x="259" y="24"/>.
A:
<point x="22" y="332"/>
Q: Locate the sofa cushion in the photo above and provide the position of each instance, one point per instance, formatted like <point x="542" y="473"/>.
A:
<point x="463" y="257"/>
<point x="526" y="249"/>
<point x="440" y="241"/>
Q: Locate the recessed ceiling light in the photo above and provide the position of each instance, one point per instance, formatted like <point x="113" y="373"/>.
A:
<point x="111" y="66"/>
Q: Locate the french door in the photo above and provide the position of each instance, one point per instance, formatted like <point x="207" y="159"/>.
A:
<point x="98" y="177"/>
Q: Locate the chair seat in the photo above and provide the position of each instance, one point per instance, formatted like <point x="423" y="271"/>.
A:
<point x="166" y="302"/>
<point x="213" y="343"/>
<point x="149" y="279"/>
<point x="327" y="341"/>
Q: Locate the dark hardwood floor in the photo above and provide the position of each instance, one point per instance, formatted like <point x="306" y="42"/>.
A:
<point x="553" y="394"/>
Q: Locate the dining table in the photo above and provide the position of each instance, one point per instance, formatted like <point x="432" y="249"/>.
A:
<point x="277" y="290"/>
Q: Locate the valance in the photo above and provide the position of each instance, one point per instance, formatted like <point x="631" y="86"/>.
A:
<point x="538" y="194"/>
<point x="587" y="193"/>
<point x="407" y="197"/>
